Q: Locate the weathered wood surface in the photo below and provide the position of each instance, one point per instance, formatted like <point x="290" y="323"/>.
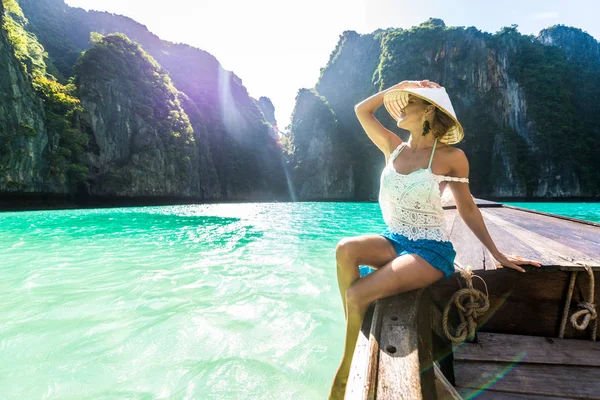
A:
<point x="538" y="379"/>
<point x="425" y="346"/>
<point x="529" y="365"/>
<point x="451" y="204"/>
<point x="528" y="303"/>
<point x="545" y="214"/>
<point x="557" y="242"/>
<point x="469" y="250"/>
<point x="443" y="388"/>
<point x="399" y="373"/>
<point x="363" y="370"/>
<point x="530" y="349"/>
<point x="393" y="358"/>
<point x="467" y="393"/>
<point x="561" y="242"/>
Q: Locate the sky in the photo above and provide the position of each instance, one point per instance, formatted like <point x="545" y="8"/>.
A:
<point x="277" y="47"/>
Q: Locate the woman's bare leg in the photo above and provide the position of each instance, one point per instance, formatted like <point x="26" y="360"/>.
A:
<point x="405" y="273"/>
<point x="372" y="250"/>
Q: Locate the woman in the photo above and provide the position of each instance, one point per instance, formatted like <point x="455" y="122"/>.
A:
<point x="414" y="251"/>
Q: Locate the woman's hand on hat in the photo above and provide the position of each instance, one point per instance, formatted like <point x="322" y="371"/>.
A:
<point x="514" y="262"/>
<point x="427" y="83"/>
<point x="416" y="84"/>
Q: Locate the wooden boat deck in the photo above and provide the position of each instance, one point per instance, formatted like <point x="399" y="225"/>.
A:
<point x="557" y="242"/>
<point x="516" y="353"/>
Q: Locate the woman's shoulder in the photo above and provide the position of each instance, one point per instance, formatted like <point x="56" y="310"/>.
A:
<point x="450" y="151"/>
<point x="451" y="159"/>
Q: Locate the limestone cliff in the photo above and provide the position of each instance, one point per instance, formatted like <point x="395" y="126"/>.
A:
<point x="23" y="136"/>
<point x="144" y="140"/>
<point x="40" y="131"/>
<point x="321" y="157"/>
<point x="245" y="159"/>
<point x="529" y="129"/>
<point x="266" y="107"/>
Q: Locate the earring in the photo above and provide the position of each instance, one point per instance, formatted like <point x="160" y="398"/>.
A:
<point x="426" y="128"/>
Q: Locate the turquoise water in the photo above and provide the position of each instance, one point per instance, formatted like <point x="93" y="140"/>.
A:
<point x="186" y="302"/>
<point x="223" y="301"/>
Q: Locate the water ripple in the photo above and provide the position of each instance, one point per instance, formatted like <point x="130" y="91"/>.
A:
<point x="220" y="301"/>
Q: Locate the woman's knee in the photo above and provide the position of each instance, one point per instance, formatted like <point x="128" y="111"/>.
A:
<point x="346" y="250"/>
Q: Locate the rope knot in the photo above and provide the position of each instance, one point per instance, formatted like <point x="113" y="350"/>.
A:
<point x="588" y="313"/>
<point x="470" y="304"/>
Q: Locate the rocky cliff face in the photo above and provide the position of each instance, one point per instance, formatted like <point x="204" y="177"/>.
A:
<point x="245" y="159"/>
<point x="347" y="79"/>
<point x="321" y="161"/>
<point x="499" y="88"/>
<point x="144" y="139"/>
<point x="267" y="108"/>
<point x="577" y="45"/>
<point x="23" y="133"/>
<point x="22" y="130"/>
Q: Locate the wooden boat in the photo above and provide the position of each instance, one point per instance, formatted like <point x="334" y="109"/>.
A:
<point x="525" y="345"/>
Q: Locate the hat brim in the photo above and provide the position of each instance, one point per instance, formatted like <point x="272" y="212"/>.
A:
<point x="395" y="100"/>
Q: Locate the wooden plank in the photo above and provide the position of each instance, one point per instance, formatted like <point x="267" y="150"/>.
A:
<point x="442" y="353"/>
<point x="444" y="389"/>
<point x="585" y="230"/>
<point x="558" y="253"/>
<point x="469" y="250"/>
<point x="451" y="203"/>
<point x="582" y="237"/>
<point x="576" y="220"/>
<point x="489" y="262"/>
<point x="579" y="268"/>
<point x="450" y="217"/>
<point x="547" y="380"/>
<point x="530" y="349"/>
<point x="364" y="360"/>
<point x="467" y="393"/>
<point x="437" y="318"/>
<point x="425" y="347"/>
<point x="507" y="243"/>
<point x="399" y="374"/>
<point x="375" y="336"/>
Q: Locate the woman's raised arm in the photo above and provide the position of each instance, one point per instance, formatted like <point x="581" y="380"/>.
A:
<point x="383" y="138"/>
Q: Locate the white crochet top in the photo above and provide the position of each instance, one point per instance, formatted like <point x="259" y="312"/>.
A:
<point x="411" y="203"/>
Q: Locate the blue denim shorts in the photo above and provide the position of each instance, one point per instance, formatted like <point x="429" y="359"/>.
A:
<point x="439" y="254"/>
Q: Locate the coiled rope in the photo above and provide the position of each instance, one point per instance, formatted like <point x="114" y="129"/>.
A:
<point x="588" y="309"/>
<point x="470" y="304"/>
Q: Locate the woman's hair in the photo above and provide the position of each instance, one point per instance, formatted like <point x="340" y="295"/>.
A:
<point x="441" y="121"/>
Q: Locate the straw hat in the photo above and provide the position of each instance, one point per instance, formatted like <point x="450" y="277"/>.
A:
<point x="395" y="100"/>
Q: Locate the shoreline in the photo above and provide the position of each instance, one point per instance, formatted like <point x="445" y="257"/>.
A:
<point x="44" y="201"/>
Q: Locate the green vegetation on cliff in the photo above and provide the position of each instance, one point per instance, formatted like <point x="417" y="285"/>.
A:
<point x="555" y="88"/>
<point x="26" y="46"/>
<point x="316" y="149"/>
<point x="63" y="119"/>
<point x="243" y="151"/>
<point x="525" y="105"/>
<point x="119" y="82"/>
<point x="153" y="96"/>
<point x="66" y="133"/>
